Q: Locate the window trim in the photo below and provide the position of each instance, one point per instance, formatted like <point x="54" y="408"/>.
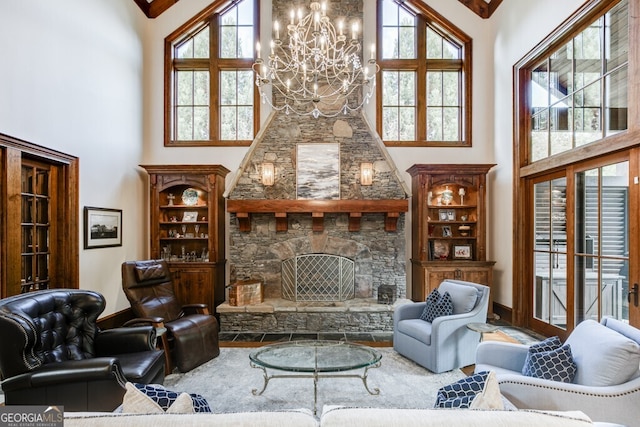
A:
<point x="208" y="16"/>
<point x="427" y="16"/>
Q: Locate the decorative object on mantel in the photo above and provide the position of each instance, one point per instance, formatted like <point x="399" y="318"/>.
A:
<point x="317" y="66"/>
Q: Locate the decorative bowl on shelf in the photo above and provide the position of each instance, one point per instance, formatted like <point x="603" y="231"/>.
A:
<point x="190" y="197"/>
<point x="464" y="230"/>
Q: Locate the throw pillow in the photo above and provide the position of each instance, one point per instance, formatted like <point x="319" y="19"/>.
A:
<point x="548" y="344"/>
<point x="463" y="297"/>
<point x="555" y="365"/>
<point x="489" y="397"/>
<point x="437" y="305"/>
<point x="432" y="298"/>
<point x="155" y="399"/>
<point x="463" y="393"/>
<point x="604" y="356"/>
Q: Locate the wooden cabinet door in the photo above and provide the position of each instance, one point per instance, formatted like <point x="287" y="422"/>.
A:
<point x="477" y="276"/>
<point x="435" y="276"/>
<point x="194" y="284"/>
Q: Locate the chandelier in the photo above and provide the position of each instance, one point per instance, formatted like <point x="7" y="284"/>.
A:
<point x="316" y="69"/>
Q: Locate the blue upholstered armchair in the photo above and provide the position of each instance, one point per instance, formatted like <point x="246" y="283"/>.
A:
<point x="445" y="343"/>
<point x="606" y="386"/>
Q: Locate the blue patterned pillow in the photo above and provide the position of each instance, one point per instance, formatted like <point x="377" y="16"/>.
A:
<point x="437" y="305"/>
<point x="551" y="343"/>
<point x="555" y="365"/>
<point x="165" y="398"/>
<point x="461" y="393"/>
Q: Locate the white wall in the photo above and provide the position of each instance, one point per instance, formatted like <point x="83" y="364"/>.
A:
<point x="518" y="26"/>
<point x="71" y="80"/>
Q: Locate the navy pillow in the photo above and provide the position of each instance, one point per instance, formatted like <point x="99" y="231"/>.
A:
<point x="555" y="365"/>
<point x="461" y="393"/>
<point x="551" y="343"/>
<point x="165" y="398"/>
<point x="437" y="305"/>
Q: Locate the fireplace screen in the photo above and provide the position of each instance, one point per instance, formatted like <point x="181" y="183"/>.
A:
<point x="318" y="277"/>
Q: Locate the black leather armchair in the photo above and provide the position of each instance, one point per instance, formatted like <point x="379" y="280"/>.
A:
<point x="192" y="332"/>
<point x="53" y="352"/>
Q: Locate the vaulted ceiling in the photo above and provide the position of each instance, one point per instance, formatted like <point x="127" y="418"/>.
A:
<point x="482" y="8"/>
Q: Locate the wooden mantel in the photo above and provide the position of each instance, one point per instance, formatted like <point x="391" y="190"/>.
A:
<point x="317" y="208"/>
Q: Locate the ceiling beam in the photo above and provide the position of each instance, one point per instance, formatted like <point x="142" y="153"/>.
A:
<point x="482" y="8"/>
<point x="153" y="9"/>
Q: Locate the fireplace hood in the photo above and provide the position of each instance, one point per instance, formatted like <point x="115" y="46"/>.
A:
<point x="276" y="144"/>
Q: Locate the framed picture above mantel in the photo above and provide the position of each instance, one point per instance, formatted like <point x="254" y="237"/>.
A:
<point x="318" y="171"/>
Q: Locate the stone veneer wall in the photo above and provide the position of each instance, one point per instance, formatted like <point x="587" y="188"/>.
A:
<point x="379" y="255"/>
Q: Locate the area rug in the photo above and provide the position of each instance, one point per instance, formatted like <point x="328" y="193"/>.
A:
<point x="226" y="382"/>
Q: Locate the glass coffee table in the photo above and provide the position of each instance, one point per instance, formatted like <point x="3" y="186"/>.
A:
<point x="315" y="359"/>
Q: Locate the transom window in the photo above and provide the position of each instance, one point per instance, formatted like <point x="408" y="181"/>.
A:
<point x="579" y="93"/>
<point x="426" y="77"/>
<point x="211" y="98"/>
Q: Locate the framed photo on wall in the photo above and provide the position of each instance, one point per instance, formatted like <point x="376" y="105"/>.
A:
<point x="102" y="227"/>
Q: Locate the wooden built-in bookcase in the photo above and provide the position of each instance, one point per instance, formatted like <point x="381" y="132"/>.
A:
<point x="448" y="224"/>
<point x="187" y="228"/>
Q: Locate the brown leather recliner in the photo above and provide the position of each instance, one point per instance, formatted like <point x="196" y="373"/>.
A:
<point x="192" y="332"/>
<point x="53" y="353"/>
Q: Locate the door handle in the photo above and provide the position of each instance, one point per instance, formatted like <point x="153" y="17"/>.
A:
<point x="634" y="291"/>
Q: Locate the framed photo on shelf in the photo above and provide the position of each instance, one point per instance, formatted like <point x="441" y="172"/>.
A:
<point x="190" y="216"/>
<point x="439" y="249"/>
<point x="443" y="215"/>
<point x="446" y="231"/>
<point x="102" y="227"/>
<point x="462" y="252"/>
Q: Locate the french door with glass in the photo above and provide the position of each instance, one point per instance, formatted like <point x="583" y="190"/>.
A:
<point x="581" y="240"/>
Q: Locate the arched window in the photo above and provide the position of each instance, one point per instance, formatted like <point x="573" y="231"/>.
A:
<point x="210" y="97"/>
<point x="424" y="98"/>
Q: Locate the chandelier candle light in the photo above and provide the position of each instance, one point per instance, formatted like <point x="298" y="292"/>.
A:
<point x="317" y="69"/>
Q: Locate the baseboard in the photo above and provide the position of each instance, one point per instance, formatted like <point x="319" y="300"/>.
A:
<point x="503" y="311"/>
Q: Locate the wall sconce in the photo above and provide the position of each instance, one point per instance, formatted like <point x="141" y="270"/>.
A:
<point x="366" y="173"/>
<point x="268" y="174"/>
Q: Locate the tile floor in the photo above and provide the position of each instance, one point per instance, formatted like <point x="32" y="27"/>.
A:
<point x="248" y="337"/>
<point x="524" y="336"/>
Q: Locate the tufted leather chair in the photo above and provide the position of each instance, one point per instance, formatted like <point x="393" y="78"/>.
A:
<point x="53" y="353"/>
<point x="192" y="332"/>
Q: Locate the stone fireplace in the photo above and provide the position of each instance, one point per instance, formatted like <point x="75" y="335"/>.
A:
<point x="269" y="224"/>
